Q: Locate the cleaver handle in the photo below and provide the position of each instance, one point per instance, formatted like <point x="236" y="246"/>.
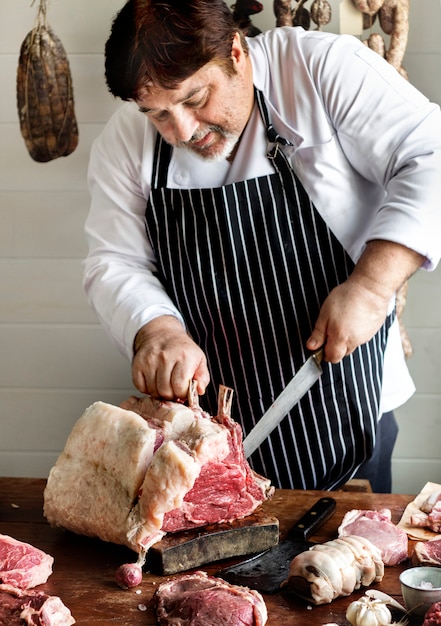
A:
<point x="313" y="519"/>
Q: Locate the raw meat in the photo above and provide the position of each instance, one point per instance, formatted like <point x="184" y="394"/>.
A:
<point x="433" y="615"/>
<point x="335" y="568"/>
<point x="430" y="501"/>
<point x="427" y="552"/>
<point x="430" y="520"/>
<point x="377" y="526"/>
<point x="201" y="600"/>
<point x="32" y="607"/>
<point x="23" y="565"/>
<point x="131" y="474"/>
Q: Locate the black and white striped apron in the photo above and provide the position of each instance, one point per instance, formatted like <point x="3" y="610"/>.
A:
<point x="248" y="265"/>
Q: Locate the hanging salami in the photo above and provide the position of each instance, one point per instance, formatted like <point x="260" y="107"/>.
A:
<point x="45" y="94"/>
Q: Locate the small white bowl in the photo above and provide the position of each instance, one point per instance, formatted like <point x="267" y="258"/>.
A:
<point x="420" y="588"/>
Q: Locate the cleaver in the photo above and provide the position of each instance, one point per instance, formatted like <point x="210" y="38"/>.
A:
<point x="266" y="571"/>
<point x="303" y="380"/>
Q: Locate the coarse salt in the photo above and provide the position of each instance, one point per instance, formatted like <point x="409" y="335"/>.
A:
<point x="425" y="584"/>
<point x="142" y="607"/>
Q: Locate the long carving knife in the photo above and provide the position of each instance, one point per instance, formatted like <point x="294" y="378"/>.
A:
<point x="303" y="380"/>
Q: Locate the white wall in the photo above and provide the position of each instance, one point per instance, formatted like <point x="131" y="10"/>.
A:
<point x="54" y="359"/>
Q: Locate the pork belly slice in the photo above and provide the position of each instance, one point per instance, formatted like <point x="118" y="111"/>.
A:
<point x="130" y="474"/>
<point x="34" y="608"/>
<point x="201" y="600"/>
<point x="22" y="565"/>
<point x="377" y="526"/>
<point x="427" y="553"/>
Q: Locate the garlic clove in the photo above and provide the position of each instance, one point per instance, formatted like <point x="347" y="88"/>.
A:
<point x="379" y="595"/>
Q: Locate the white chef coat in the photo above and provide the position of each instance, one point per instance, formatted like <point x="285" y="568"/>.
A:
<point x="365" y="144"/>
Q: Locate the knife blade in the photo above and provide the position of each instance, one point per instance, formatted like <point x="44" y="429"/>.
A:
<point x="266" y="571"/>
<point x="303" y="380"/>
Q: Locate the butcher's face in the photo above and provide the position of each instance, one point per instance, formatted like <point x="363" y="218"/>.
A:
<point x="207" y="112"/>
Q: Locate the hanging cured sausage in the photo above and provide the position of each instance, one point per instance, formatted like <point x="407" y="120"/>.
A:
<point x="45" y="94"/>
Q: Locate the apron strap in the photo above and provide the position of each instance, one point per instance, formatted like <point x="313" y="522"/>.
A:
<point x="271" y="133"/>
<point x="161" y="161"/>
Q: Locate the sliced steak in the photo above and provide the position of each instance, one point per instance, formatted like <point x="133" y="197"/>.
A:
<point x="22" y="565"/>
<point x="131" y="474"/>
<point x="427" y="552"/>
<point x="201" y="600"/>
<point x="33" y="608"/>
<point x="377" y="526"/>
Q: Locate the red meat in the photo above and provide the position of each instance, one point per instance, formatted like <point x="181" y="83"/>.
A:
<point x="224" y="490"/>
<point x="23" y="565"/>
<point x="33" y="608"/>
<point x="433" y="615"/>
<point x="427" y="553"/>
<point x="201" y="600"/>
<point x="378" y="528"/>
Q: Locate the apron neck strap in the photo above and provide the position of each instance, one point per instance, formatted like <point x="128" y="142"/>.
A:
<point x="272" y="135"/>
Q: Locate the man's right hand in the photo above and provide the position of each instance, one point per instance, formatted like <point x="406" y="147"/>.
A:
<point x="166" y="359"/>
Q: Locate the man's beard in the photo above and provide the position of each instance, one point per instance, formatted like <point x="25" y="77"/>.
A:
<point x="206" y="153"/>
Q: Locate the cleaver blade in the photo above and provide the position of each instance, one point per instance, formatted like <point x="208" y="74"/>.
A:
<point x="294" y="391"/>
<point x="266" y="571"/>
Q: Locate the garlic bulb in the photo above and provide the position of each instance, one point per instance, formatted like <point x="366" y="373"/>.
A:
<point x="368" y="612"/>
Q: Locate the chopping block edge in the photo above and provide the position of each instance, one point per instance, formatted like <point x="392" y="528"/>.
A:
<point x="185" y="550"/>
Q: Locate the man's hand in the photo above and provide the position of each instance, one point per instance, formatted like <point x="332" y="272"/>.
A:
<point x="166" y="359"/>
<point x="355" y="310"/>
<point x="349" y="317"/>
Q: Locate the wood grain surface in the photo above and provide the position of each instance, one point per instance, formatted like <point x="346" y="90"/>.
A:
<point x="84" y="568"/>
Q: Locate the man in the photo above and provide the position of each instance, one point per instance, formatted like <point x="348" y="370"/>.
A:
<point x="255" y="200"/>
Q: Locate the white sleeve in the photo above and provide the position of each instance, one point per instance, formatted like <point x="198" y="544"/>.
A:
<point x="366" y="143"/>
<point x="120" y="269"/>
<point x="391" y="134"/>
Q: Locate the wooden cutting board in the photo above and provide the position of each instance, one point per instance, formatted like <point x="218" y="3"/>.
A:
<point x="190" y="549"/>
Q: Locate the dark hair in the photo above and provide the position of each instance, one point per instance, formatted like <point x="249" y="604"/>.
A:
<point x="163" y="42"/>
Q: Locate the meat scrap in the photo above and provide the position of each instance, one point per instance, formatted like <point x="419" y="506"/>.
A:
<point x="22" y="565"/>
<point x="377" y="526"/>
<point x="432" y="499"/>
<point x="425" y="511"/>
<point x="427" y="553"/>
<point x="33" y="608"/>
<point x="201" y="600"/>
<point x="130" y="474"/>
<point x="431" y="519"/>
<point x="335" y="568"/>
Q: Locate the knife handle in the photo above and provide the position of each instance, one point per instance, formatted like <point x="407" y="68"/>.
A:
<point x="313" y="519"/>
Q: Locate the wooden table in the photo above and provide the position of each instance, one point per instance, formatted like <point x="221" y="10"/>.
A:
<point x="84" y="568"/>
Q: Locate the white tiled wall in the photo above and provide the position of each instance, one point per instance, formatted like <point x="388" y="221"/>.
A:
<point x="54" y="358"/>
